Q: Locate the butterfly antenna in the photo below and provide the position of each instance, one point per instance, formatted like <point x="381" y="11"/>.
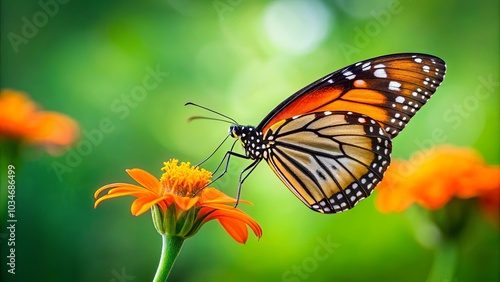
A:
<point x="210" y="110"/>
<point x="209" y="118"/>
<point x="211" y="154"/>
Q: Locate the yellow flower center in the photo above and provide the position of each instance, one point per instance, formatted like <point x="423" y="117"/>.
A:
<point x="183" y="180"/>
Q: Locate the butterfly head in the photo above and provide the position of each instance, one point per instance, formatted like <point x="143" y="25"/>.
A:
<point x="235" y="131"/>
<point x="251" y="139"/>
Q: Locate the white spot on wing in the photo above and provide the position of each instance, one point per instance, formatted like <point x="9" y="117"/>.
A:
<point x="380" y="73"/>
<point x="393" y="85"/>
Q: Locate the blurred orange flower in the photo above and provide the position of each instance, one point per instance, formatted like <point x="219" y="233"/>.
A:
<point x="184" y="201"/>
<point x="21" y="119"/>
<point x="433" y="177"/>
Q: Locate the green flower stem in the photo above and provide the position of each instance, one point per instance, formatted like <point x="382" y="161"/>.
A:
<point x="445" y="260"/>
<point x="171" y="248"/>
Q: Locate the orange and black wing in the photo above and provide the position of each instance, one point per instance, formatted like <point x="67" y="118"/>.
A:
<point x="390" y="89"/>
<point x="329" y="160"/>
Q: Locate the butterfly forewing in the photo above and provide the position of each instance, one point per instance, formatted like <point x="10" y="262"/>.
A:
<point x="329" y="160"/>
<point x="389" y="89"/>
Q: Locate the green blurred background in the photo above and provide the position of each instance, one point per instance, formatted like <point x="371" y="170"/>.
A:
<point x="87" y="58"/>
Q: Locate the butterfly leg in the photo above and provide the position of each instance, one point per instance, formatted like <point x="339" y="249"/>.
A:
<point x="226" y="166"/>
<point x="242" y="178"/>
<point x="228" y="156"/>
<point x="228" y="153"/>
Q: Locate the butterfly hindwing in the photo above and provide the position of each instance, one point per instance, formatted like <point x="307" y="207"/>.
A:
<point x="329" y="160"/>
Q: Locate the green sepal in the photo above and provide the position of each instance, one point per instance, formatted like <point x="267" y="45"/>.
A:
<point x="197" y="225"/>
<point x="170" y="220"/>
<point x="158" y="216"/>
<point x="187" y="223"/>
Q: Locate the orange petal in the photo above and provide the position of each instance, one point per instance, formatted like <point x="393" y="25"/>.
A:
<point x="107" y="197"/>
<point x="433" y="177"/>
<point x="131" y="192"/>
<point x="434" y="194"/>
<point x="20" y="118"/>
<point x="392" y="193"/>
<point x="169" y="198"/>
<point x="236" y="215"/>
<point x="145" y="179"/>
<point x="143" y="204"/>
<point x="185" y="203"/>
<point x="163" y="204"/>
<point x="115" y="194"/>
<point x="222" y="207"/>
<point x="54" y="128"/>
<point x="478" y="180"/>
<point x="15" y="116"/>
<point x="490" y="205"/>
<point x="237" y="229"/>
<point x="211" y="195"/>
<point x="117" y="185"/>
<point x="392" y="200"/>
<point x="446" y="171"/>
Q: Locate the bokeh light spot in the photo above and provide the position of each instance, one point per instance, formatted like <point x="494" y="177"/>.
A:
<point x="296" y="26"/>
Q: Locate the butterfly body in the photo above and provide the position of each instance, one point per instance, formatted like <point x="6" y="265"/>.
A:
<point x="330" y="143"/>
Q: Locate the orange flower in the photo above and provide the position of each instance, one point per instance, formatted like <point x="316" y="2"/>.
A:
<point x="433" y="177"/>
<point x="490" y="205"/>
<point x="20" y="119"/>
<point x="184" y="202"/>
<point x="391" y="195"/>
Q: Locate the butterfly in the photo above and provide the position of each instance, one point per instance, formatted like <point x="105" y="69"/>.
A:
<point x="330" y="143"/>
